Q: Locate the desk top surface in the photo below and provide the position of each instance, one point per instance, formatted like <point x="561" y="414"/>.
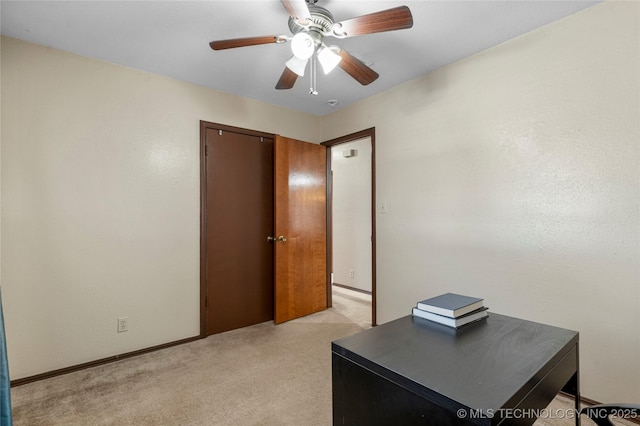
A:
<point x="481" y="366"/>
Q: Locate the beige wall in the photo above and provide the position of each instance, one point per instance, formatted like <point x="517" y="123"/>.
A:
<point x="513" y="175"/>
<point x="100" y="203"/>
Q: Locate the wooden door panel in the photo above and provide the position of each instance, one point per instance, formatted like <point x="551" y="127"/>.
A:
<point x="300" y="217"/>
<point x="239" y="217"/>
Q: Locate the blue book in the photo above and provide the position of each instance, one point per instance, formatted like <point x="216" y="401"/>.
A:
<point x="450" y="305"/>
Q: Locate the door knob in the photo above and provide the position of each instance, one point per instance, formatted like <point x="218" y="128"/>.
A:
<point x="280" y="239"/>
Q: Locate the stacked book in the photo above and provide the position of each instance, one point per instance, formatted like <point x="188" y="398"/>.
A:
<point x="453" y="310"/>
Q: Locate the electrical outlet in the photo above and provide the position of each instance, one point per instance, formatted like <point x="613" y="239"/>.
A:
<point x="123" y="324"/>
<point x="351" y="273"/>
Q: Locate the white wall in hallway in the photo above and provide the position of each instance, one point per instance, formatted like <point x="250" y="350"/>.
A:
<point x="351" y="218"/>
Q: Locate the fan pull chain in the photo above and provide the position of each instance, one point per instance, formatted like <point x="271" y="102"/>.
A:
<point x="312" y="89"/>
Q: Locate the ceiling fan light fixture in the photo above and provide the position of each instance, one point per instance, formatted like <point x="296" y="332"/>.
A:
<point x="309" y="25"/>
<point x="303" y="45"/>
<point x="328" y="58"/>
<point x="297" y="65"/>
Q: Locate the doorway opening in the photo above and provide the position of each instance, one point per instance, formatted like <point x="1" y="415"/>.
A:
<point x="351" y="225"/>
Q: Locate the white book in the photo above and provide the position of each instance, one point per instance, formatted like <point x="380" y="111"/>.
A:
<point x="476" y="315"/>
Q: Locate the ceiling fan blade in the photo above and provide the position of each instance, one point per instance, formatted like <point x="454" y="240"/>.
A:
<point x="287" y="79"/>
<point x="398" y="18"/>
<point x="248" y="41"/>
<point x="297" y="9"/>
<point x="357" y="69"/>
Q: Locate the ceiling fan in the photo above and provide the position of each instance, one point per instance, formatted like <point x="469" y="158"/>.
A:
<point x="310" y="25"/>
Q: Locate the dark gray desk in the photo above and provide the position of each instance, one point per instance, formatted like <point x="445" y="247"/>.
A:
<point x="502" y="371"/>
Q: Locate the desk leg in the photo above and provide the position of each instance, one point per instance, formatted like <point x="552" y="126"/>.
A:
<point x="573" y="387"/>
<point x="577" y="379"/>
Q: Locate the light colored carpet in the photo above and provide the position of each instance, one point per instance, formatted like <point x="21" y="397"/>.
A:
<point x="260" y="375"/>
<point x="353" y="304"/>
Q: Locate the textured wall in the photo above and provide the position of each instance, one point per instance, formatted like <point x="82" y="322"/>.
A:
<point x="513" y="175"/>
<point x="100" y="203"/>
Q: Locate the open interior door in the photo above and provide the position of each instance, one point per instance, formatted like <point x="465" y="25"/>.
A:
<point x="300" y="226"/>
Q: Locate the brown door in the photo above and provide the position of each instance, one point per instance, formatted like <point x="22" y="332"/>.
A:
<point x="301" y="221"/>
<point x="237" y="219"/>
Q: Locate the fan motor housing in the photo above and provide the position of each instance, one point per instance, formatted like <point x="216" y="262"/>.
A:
<point x="321" y="21"/>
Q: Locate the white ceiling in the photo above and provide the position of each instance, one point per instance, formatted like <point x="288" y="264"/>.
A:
<point x="172" y="38"/>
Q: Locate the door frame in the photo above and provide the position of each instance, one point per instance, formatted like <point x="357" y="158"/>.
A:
<point x="204" y="125"/>
<point x="371" y="133"/>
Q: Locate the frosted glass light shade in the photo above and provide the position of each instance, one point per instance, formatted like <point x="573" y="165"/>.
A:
<point x="297" y="65"/>
<point x="328" y="59"/>
<point x="302" y="45"/>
